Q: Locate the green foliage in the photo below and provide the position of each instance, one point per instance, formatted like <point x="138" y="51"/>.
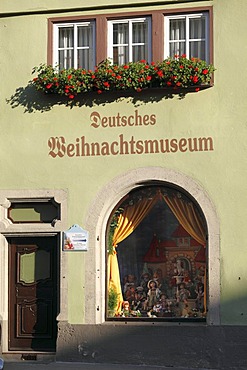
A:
<point x="113" y="225"/>
<point x="112" y="299"/>
<point x="172" y="73"/>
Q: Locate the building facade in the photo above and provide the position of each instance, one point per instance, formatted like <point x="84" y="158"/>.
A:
<point x="122" y="195"/>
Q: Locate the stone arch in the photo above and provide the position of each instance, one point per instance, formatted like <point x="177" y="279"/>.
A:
<point x="96" y="223"/>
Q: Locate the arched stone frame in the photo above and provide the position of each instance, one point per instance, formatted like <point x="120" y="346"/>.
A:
<point x="96" y="223"/>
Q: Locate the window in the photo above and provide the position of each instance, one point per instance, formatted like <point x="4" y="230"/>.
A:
<point x="187" y="34"/>
<point x="74" y="45"/>
<point x="82" y="41"/>
<point x="43" y="211"/>
<point x="129" y="40"/>
<point x="157" y="256"/>
<point x="31" y="211"/>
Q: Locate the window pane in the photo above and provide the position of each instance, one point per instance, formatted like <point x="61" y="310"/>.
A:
<point x="197" y="28"/>
<point x="177" y="29"/>
<point x="140" y="32"/>
<point x="120" y="54"/>
<point x="85" y="41"/>
<point x="120" y="33"/>
<point x="85" y="36"/>
<point x="65" y="59"/>
<point x="85" y="59"/>
<point x="197" y="49"/>
<point x="66" y="37"/>
<point x="177" y="48"/>
<point x="33" y="212"/>
<point x="139" y="53"/>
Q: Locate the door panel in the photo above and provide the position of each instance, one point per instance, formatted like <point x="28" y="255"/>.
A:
<point x="33" y="293"/>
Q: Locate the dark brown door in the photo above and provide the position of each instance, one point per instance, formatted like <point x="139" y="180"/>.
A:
<point x="33" y="293"/>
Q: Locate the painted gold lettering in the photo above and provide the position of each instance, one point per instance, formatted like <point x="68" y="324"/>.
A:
<point x="124" y="148"/>
<point x="132" y="145"/>
<point x="151" y="146"/>
<point x="152" y="119"/>
<point x="182" y="145"/>
<point x="138" y="118"/>
<point x="112" y="122"/>
<point x="139" y="147"/>
<point x="131" y="118"/>
<point x="174" y="145"/>
<point x="77" y="147"/>
<point x="118" y="118"/>
<point x="104" y="122"/>
<point x="95" y="118"/>
<point x="85" y="148"/>
<point x="164" y="146"/>
<point x="70" y="150"/>
<point x="113" y="145"/>
<point x="146" y="120"/>
<point x="105" y="148"/>
<point x="56" y="146"/>
<point x="124" y="121"/>
<point x="192" y="144"/>
<point x="205" y="144"/>
<point x="95" y="149"/>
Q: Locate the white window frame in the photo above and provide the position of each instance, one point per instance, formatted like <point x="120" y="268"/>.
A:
<point x="129" y="21"/>
<point x="187" y="40"/>
<point x="75" y="48"/>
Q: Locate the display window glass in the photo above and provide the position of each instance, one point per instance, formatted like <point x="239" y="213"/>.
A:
<point x="157" y="257"/>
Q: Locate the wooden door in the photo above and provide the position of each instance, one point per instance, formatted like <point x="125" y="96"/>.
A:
<point x="33" y="293"/>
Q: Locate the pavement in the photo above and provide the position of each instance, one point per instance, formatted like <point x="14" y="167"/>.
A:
<point x="31" y="365"/>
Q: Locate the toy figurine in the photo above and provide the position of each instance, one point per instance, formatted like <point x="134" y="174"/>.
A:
<point x="153" y="294"/>
<point x="200" y="297"/>
<point x="140" y="298"/>
<point x="125" y="309"/>
<point x="183" y="294"/>
<point x="144" y="281"/>
<point x="130" y="282"/>
<point x="130" y="295"/>
<point x="158" y="279"/>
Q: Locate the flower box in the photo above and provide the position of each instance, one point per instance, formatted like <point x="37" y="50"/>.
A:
<point x="172" y="74"/>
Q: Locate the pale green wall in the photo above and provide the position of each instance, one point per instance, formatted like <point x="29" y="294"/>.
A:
<point x="219" y="112"/>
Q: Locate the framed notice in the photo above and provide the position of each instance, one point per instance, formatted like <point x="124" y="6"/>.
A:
<point x="75" y="239"/>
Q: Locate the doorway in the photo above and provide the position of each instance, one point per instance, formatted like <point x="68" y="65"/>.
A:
<point x="33" y="293"/>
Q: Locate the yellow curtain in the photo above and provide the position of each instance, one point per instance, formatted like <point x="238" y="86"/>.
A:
<point x="127" y="223"/>
<point x="186" y="215"/>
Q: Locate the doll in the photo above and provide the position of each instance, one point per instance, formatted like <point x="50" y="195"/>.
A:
<point x="144" y="282"/>
<point x="153" y="294"/>
<point x="140" y="298"/>
<point x="129" y="283"/>
<point x="125" y="309"/>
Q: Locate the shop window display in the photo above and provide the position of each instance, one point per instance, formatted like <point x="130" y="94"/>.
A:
<point x="157" y="259"/>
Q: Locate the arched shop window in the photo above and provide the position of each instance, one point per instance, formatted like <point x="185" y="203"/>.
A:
<point x="157" y="257"/>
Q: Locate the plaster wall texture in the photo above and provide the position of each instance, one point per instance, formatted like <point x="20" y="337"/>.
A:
<point x="44" y="5"/>
<point x="28" y="121"/>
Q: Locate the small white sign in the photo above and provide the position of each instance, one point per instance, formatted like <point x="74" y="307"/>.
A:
<point x="75" y="239"/>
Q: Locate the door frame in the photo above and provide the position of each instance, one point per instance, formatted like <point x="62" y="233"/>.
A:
<point x="29" y="245"/>
<point x="8" y="229"/>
